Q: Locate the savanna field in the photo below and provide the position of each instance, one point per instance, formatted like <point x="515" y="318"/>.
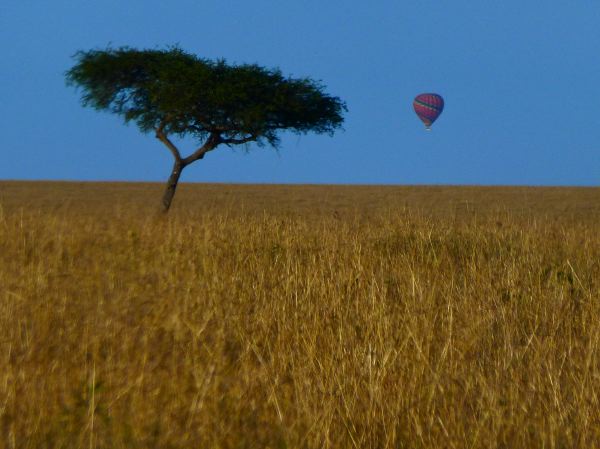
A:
<point x="299" y="317"/>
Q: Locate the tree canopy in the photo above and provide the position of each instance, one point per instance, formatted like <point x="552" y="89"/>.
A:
<point x="189" y="95"/>
<point x="171" y="92"/>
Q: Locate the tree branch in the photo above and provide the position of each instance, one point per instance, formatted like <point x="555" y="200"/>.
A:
<point x="211" y="143"/>
<point x="160" y="135"/>
<point x="238" y="141"/>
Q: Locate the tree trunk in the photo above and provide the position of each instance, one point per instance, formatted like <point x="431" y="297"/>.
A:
<point x="172" y="184"/>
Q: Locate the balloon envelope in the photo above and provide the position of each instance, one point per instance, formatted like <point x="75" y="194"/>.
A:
<point x="428" y="107"/>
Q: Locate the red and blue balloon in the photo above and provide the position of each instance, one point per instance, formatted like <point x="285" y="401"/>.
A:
<point x="428" y="107"/>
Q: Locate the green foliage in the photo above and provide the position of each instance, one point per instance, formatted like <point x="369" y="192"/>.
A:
<point x="188" y="95"/>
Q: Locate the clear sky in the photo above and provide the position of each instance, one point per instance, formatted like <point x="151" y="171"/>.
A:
<point x="521" y="81"/>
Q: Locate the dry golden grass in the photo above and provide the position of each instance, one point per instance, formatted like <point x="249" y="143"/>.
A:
<point x="299" y="317"/>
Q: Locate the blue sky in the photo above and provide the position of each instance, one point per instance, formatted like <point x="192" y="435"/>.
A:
<point x="521" y="84"/>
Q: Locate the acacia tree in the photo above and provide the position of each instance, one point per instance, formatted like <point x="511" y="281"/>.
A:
<point x="171" y="92"/>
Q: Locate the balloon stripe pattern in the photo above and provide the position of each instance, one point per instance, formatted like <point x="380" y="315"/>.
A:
<point x="428" y="107"/>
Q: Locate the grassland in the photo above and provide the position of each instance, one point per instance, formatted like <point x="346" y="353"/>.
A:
<point x="299" y="317"/>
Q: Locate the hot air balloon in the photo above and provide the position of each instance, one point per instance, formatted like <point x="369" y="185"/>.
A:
<point x="428" y="107"/>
